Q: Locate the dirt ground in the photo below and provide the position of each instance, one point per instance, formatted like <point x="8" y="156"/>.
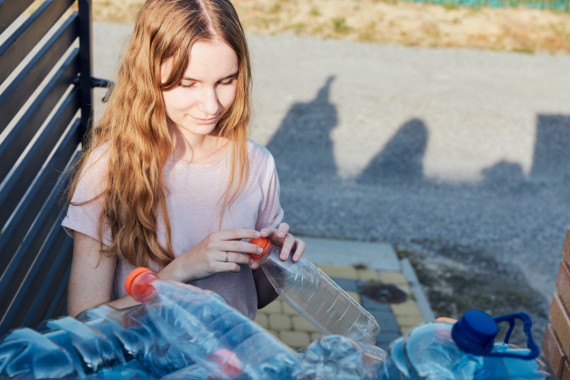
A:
<point x="506" y="29"/>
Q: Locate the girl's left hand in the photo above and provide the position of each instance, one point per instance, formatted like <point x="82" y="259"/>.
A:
<point x="281" y="237"/>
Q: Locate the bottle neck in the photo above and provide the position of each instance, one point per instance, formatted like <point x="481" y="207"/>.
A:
<point x="273" y="257"/>
<point x="144" y="287"/>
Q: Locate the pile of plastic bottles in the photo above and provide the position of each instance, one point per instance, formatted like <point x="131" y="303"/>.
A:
<point x="180" y="331"/>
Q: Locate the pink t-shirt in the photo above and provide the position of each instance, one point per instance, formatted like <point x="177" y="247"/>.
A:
<point x="193" y="207"/>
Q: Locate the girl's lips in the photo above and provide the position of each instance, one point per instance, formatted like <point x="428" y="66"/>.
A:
<point x="205" y="121"/>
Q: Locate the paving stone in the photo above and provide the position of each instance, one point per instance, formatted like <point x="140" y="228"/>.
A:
<point x="301" y="324"/>
<point x="388" y="325"/>
<point x="339" y="271"/>
<point x="288" y="310"/>
<point x="295" y="339"/>
<point x="406" y="308"/>
<point x="395" y="278"/>
<point x="274" y="307"/>
<point x="384" y="339"/>
<point x="409" y="320"/>
<point x="262" y="319"/>
<point x="371" y="305"/>
<point x="315" y="336"/>
<point x="367" y="274"/>
<point x="275" y="334"/>
<point x="279" y="322"/>
<point x="347" y="284"/>
<point x="355" y="296"/>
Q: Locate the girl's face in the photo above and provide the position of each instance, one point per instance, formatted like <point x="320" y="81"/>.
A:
<point x="206" y="91"/>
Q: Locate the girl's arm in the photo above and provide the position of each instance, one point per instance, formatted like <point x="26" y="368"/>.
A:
<point x="92" y="274"/>
<point x="91" y="278"/>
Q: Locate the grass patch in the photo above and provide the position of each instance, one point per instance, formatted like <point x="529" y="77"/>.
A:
<point x="401" y="22"/>
<point x="339" y="25"/>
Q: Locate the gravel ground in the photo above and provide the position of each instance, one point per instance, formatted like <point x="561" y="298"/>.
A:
<point x="457" y="157"/>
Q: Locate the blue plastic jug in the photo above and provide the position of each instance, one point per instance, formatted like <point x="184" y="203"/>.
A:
<point x="465" y="349"/>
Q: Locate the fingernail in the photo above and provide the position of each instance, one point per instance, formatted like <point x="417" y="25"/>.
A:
<point x="257" y="234"/>
<point x="281" y="234"/>
<point x="259" y="250"/>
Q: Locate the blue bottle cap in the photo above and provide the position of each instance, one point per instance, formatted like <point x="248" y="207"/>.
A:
<point x="475" y="332"/>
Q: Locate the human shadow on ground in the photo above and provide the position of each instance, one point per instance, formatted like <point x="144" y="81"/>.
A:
<point x="550" y="165"/>
<point x="551" y="160"/>
<point x="304" y="138"/>
<point x="304" y="152"/>
<point x="401" y="159"/>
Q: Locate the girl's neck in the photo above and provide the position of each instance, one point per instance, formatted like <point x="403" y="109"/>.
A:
<point x="199" y="149"/>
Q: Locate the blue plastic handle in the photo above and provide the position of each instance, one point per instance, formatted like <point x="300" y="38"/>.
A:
<point x="527" y="324"/>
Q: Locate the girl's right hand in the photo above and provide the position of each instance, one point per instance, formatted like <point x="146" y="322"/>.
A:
<point x="221" y="251"/>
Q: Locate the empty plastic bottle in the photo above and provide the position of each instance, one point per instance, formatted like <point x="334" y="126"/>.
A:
<point x="338" y="357"/>
<point x="132" y="332"/>
<point x="316" y="297"/>
<point x="466" y="349"/>
<point x="102" y="342"/>
<point x="203" y="327"/>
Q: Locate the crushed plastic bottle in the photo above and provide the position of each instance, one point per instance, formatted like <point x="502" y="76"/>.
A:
<point x="338" y="357"/>
<point x="466" y="349"/>
<point x="100" y="342"/>
<point x="134" y="334"/>
<point x="203" y="327"/>
<point x="313" y="294"/>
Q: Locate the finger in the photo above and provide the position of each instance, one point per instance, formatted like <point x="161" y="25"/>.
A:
<point x="242" y="247"/>
<point x="299" y="250"/>
<point x="282" y="230"/>
<point x="254" y="264"/>
<point x="238" y="234"/>
<point x="229" y="267"/>
<point x="286" y="247"/>
<point x="266" y="232"/>
<point x="234" y="257"/>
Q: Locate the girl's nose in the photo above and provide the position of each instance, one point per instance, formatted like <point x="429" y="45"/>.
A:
<point x="210" y="104"/>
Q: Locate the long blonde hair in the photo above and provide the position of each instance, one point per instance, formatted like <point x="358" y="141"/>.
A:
<point x="135" y="125"/>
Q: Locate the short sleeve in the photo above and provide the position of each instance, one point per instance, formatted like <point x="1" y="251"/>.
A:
<point x="87" y="202"/>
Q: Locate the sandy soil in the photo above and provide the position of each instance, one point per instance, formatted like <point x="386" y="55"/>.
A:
<point x="507" y="29"/>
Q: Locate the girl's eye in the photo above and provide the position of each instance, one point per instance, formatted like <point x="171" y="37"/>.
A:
<point x="186" y="85"/>
<point x="228" y="82"/>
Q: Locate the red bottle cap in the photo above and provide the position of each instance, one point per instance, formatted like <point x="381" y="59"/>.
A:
<point x="228" y="362"/>
<point x="263" y="243"/>
<point x="139" y="290"/>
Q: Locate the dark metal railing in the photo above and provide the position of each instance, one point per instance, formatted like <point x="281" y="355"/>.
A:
<point x="45" y="110"/>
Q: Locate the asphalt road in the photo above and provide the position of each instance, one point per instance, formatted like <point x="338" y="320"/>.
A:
<point x="461" y="155"/>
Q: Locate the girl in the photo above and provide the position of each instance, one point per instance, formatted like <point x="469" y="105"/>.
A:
<point x="169" y="179"/>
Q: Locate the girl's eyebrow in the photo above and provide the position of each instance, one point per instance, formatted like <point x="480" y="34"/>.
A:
<point x="221" y="79"/>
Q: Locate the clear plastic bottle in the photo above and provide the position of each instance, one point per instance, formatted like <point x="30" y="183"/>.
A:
<point x="101" y="342"/>
<point x="83" y="347"/>
<point x="133" y="333"/>
<point x="316" y="297"/>
<point x="466" y="349"/>
<point x="339" y="357"/>
<point x="203" y="327"/>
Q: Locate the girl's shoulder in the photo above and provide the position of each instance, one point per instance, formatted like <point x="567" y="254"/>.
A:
<point x="258" y="153"/>
<point x="97" y="160"/>
<point x="95" y="168"/>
